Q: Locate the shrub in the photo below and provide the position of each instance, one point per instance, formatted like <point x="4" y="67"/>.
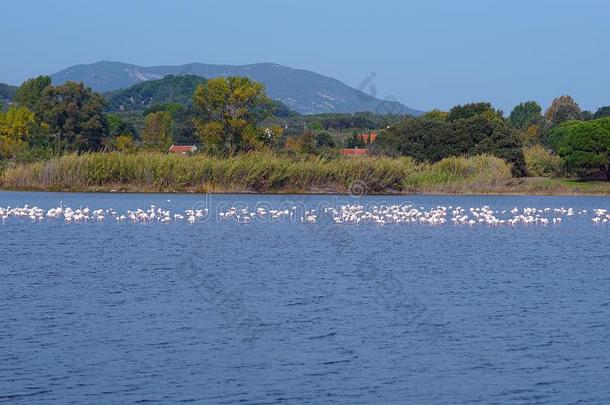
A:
<point x="541" y="162"/>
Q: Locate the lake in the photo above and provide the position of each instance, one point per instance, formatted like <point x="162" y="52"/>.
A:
<point x="291" y="312"/>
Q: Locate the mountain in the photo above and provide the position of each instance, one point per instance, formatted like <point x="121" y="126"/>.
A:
<point x="170" y="89"/>
<point x="301" y="90"/>
<point x="7" y="92"/>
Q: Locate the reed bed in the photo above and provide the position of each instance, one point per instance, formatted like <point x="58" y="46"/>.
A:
<point x="256" y="172"/>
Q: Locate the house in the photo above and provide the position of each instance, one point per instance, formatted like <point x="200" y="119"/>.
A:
<point x="354" y="152"/>
<point x="182" y="149"/>
<point x="368" y="137"/>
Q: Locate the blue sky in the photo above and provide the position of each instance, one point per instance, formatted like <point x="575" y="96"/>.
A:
<point x="427" y="54"/>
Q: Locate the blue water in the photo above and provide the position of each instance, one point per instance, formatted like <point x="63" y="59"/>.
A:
<point x="220" y="312"/>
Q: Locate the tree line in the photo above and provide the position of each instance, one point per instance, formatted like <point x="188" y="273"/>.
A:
<point x="230" y="115"/>
<point x="563" y="140"/>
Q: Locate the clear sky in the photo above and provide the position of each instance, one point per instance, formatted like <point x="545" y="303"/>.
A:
<point x="427" y="54"/>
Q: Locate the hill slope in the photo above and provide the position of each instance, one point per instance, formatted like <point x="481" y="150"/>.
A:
<point x="170" y="89"/>
<point x="301" y="90"/>
<point x="7" y="92"/>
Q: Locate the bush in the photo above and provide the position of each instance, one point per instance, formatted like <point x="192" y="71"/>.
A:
<point x="541" y="162"/>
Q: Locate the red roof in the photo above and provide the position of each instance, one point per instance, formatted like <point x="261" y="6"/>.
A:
<point x="182" y="148"/>
<point x="354" y="152"/>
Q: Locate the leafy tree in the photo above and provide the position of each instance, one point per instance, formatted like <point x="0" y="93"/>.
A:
<point x="324" y="140"/>
<point x="356" y="141"/>
<point x="303" y="143"/>
<point x="30" y="93"/>
<point x="562" y="109"/>
<point x="228" y="103"/>
<point x="75" y="114"/>
<point x="117" y="126"/>
<point x="530" y="136"/>
<point x="541" y="162"/>
<point x="124" y="143"/>
<point x="584" y="147"/>
<point x="272" y="136"/>
<point x="421" y="138"/>
<point x="157" y="133"/>
<point x="602" y="112"/>
<point x="470" y="130"/>
<point x="525" y="115"/>
<point x="470" y="110"/>
<point x="15" y="127"/>
<point x="308" y="142"/>
<point x="436" y="115"/>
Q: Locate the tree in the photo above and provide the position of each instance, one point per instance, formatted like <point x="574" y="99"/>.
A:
<point x="602" y="112"/>
<point x="472" y="129"/>
<point x="30" y="93"/>
<point x="489" y="133"/>
<point x="228" y="103"/>
<point x="525" y="115"/>
<point x="356" y="141"/>
<point x="157" y="133"/>
<point x="562" y="109"/>
<point x="15" y="127"/>
<point x="117" y="126"/>
<point x="124" y="143"/>
<point x="75" y="114"/>
<point x="421" y="138"/>
<point x="272" y="136"/>
<point x="470" y="110"/>
<point x="436" y="115"/>
<point x="584" y="147"/>
<point x="530" y="135"/>
<point x="324" y="140"/>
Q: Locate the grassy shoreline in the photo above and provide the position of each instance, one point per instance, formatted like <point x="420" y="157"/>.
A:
<point x="269" y="173"/>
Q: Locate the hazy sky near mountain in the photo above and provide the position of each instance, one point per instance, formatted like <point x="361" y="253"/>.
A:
<point x="427" y="54"/>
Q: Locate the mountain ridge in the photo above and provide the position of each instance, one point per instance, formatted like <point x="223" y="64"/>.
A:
<point x="301" y="90"/>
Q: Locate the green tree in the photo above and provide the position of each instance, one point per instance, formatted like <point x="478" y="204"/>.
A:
<point x="75" y="114"/>
<point x="525" y="114"/>
<point x="157" y="133"/>
<point x="228" y="104"/>
<point x="30" y="93"/>
<point x="15" y="127"/>
<point x="123" y="143"/>
<point x="436" y="115"/>
<point x="470" y="110"/>
<point x="118" y="126"/>
<point x="584" y="147"/>
<point x="424" y="139"/>
<point x="471" y="130"/>
<point x="356" y="141"/>
<point x="324" y="140"/>
<point x="562" y="109"/>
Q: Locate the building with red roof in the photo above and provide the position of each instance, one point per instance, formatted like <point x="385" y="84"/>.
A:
<point x="182" y="149"/>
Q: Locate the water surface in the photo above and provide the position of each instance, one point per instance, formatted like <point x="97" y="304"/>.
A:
<point x="220" y="312"/>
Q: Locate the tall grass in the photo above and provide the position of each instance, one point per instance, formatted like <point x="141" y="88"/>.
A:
<point x="257" y="172"/>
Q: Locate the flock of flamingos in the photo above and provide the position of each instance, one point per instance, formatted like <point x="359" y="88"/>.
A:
<point x="343" y="214"/>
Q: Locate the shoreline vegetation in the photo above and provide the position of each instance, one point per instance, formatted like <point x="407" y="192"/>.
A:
<point x="69" y="138"/>
<point x="268" y="172"/>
